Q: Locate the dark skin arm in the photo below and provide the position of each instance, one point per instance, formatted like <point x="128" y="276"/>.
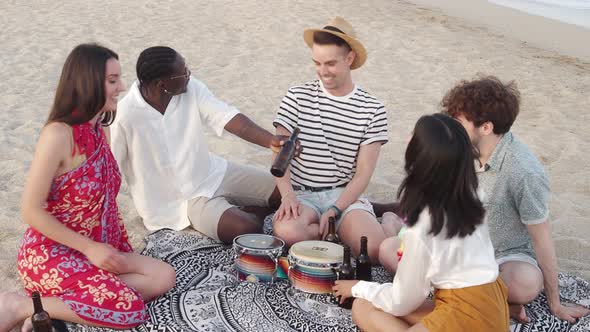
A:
<point x="241" y="126"/>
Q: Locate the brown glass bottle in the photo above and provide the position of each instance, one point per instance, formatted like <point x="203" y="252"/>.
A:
<point x="40" y="319"/>
<point x="283" y="159"/>
<point x="345" y="272"/>
<point x="363" y="263"/>
<point x="332" y="236"/>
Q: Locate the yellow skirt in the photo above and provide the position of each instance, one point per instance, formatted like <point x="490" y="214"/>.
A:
<point x="480" y="308"/>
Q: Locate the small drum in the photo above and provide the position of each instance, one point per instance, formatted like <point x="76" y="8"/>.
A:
<point x="256" y="257"/>
<point x="312" y="266"/>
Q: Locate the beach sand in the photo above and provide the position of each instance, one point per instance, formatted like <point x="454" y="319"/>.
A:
<point x="250" y="52"/>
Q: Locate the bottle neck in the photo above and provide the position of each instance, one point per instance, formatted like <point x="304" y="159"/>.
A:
<point x="37" y="305"/>
<point x="331" y="226"/>
<point x="346" y="258"/>
<point x="294" y="135"/>
<point x="364" y="245"/>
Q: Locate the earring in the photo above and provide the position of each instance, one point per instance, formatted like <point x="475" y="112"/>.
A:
<point x="167" y="92"/>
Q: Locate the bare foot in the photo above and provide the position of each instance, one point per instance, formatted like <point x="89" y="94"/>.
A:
<point x="11" y="309"/>
<point x="391" y="224"/>
<point x="518" y="313"/>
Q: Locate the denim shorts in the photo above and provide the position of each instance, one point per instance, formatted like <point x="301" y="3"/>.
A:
<point x="320" y="201"/>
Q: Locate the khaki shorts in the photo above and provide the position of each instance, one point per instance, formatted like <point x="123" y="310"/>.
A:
<point x="241" y="186"/>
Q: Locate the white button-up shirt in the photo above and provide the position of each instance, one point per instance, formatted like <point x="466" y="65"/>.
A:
<point x="165" y="158"/>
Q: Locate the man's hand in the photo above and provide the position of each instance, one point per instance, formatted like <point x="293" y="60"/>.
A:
<point x="569" y="313"/>
<point x="343" y="289"/>
<point x="324" y="222"/>
<point x="277" y="141"/>
<point x="289" y="208"/>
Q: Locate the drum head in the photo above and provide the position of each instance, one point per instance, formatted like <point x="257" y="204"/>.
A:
<point x="317" y="252"/>
<point x="258" y="241"/>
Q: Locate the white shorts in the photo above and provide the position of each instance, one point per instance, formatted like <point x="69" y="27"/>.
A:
<point x="518" y="257"/>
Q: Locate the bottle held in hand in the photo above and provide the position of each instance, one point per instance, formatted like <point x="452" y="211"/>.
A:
<point x="345" y="272"/>
<point x="284" y="157"/>
<point x="332" y="236"/>
<point x="363" y="263"/>
<point x="40" y="319"/>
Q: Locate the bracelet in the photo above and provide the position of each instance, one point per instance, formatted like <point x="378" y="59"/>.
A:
<point x="336" y="209"/>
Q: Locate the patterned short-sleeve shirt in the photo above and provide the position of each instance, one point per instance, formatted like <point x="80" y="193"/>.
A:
<point x="516" y="194"/>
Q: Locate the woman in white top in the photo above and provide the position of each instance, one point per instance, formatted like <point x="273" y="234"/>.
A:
<point x="446" y="245"/>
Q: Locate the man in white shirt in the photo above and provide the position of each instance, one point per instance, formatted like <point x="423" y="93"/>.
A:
<point x="161" y="149"/>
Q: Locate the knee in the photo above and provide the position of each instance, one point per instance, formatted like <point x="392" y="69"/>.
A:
<point x="373" y="247"/>
<point x="249" y="225"/>
<point x="289" y="232"/>
<point x="523" y="287"/>
<point x="243" y="225"/>
<point x="388" y="254"/>
<point x="168" y="278"/>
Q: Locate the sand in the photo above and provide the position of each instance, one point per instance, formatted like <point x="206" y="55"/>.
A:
<point x="250" y="52"/>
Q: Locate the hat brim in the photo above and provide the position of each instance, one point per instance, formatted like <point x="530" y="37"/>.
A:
<point x="355" y="45"/>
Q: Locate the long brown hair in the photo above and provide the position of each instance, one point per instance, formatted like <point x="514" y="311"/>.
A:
<point x="80" y="93"/>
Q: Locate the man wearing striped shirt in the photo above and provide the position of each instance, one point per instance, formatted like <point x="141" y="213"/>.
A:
<point x="342" y="130"/>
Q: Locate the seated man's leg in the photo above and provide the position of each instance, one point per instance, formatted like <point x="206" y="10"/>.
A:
<point x="381" y="208"/>
<point x="304" y="227"/>
<point x="240" y="204"/>
<point x="358" y="220"/>
<point x="250" y="188"/>
<point x="524" y="281"/>
<point x="220" y="220"/>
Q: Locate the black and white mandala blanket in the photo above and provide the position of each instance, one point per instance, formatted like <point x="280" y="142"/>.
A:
<point x="209" y="297"/>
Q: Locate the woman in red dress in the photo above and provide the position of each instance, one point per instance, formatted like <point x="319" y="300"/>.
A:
<point x="75" y="251"/>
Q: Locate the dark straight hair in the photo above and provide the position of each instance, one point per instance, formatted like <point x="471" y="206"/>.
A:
<point x="440" y="176"/>
<point x="80" y="93"/>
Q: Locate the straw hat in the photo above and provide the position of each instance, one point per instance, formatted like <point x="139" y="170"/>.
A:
<point x="339" y="27"/>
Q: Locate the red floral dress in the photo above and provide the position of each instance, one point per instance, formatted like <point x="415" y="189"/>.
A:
<point x="84" y="200"/>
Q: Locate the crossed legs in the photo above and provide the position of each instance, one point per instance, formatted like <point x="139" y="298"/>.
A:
<point x="149" y="276"/>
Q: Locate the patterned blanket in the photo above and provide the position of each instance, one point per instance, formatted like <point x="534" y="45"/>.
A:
<point x="208" y="297"/>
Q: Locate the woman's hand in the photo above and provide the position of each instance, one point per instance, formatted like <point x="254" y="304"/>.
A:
<point x="343" y="289"/>
<point x="106" y="257"/>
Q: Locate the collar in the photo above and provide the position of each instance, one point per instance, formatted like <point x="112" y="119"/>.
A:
<point x="144" y="104"/>
<point x="342" y="98"/>
<point x="497" y="159"/>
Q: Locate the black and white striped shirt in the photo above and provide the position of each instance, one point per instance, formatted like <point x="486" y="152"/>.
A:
<point x="332" y="131"/>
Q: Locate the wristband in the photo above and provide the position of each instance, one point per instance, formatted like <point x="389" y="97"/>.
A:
<point x="336" y="210"/>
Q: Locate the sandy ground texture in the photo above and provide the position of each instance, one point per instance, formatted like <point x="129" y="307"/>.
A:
<point x="250" y="52"/>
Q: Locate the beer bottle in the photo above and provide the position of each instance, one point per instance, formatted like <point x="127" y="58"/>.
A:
<point x="332" y="236"/>
<point x="283" y="159"/>
<point x="345" y="272"/>
<point x="40" y="319"/>
<point x="363" y="263"/>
